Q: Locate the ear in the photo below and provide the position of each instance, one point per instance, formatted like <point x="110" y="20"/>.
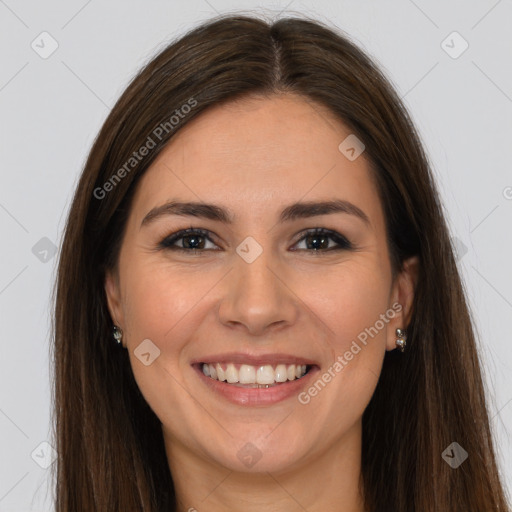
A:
<point x="401" y="299"/>
<point x="113" y="293"/>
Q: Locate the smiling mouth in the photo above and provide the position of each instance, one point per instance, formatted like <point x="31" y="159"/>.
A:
<point x="249" y="376"/>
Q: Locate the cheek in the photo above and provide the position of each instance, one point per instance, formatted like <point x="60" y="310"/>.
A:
<point x="352" y="305"/>
<point x="349" y="302"/>
<point x="159" y="306"/>
<point x="164" y="305"/>
<point x="158" y="299"/>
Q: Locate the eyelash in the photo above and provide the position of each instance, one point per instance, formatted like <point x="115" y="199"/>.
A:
<point x="168" y="241"/>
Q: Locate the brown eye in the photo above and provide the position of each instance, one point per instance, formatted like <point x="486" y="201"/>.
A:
<point x="187" y="240"/>
<point x="319" y="240"/>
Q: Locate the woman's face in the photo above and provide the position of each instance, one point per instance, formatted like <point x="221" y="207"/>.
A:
<point x="257" y="294"/>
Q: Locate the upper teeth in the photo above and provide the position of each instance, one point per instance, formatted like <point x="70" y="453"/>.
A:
<point x="248" y="374"/>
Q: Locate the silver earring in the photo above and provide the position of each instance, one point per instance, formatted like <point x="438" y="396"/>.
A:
<point x="401" y="339"/>
<point x="118" y="334"/>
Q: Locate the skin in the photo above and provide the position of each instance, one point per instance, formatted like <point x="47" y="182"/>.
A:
<point x="266" y="153"/>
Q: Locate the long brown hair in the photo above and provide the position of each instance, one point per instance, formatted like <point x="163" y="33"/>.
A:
<point x="111" y="454"/>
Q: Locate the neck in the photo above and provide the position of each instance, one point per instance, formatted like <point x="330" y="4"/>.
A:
<point x="326" y="481"/>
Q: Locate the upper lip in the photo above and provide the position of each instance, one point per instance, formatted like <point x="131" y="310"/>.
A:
<point x="255" y="359"/>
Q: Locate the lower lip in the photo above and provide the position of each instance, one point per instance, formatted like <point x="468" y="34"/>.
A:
<point x="257" y="396"/>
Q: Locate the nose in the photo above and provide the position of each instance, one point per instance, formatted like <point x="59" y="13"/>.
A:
<point x="259" y="297"/>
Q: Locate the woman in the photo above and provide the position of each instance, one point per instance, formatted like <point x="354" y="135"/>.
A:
<point x="257" y="305"/>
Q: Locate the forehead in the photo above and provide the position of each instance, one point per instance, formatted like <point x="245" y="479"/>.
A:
<point x="259" y="152"/>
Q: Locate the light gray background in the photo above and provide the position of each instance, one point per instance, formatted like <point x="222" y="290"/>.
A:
<point x="51" y="109"/>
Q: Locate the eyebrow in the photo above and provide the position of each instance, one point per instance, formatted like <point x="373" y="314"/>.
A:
<point x="294" y="211"/>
